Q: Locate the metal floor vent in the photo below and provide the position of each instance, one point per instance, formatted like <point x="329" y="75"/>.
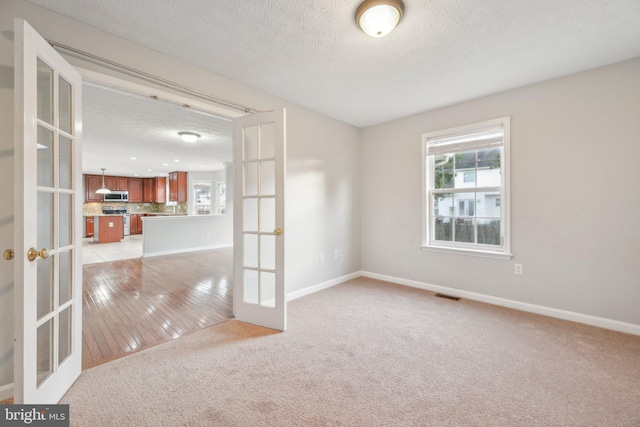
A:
<point x="448" y="297"/>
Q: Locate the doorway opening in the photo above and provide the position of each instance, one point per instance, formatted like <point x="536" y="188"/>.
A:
<point x="135" y="294"/>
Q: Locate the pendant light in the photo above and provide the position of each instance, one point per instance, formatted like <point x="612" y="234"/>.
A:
<point x="378" y="18"/>
<point x="103" y="189"/>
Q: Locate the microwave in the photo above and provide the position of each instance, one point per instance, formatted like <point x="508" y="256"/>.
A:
<point x="116" y="196"/>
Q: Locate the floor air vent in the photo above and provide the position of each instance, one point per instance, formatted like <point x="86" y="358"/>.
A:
<point x="448" y="297"/>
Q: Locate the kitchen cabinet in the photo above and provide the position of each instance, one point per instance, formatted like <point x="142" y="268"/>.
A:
<point x="89" y="226"/>
<point x="108" y="228"/>
<point x="135" y="190"/>
<point x="149" y="190"/>
<point x="110" y="182"/>
<point x="135" y="223"/>
<point x="178" y="187"/>
<point x="161" y="190"/>
<point x="92" y="183"/>
<point x="122" y="183"/>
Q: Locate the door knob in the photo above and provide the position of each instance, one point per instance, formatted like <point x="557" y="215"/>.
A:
<point x="33" y="254"/>
<point x="278" y="231"/>
<point x="9" y="254"/>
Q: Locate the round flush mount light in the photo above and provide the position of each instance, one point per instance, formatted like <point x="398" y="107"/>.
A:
<point x="378" y="18"/>
<point x="189" y="136"/>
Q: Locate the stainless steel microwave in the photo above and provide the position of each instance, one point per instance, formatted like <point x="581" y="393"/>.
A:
<point x="116" y="196"/>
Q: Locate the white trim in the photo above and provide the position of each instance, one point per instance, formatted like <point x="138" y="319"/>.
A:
<point x="6" y="392"/>
<point x="322" y="286"/>
<point x="600" y="322"/>
<point x="466" y="251"/>
<point x="181" y="251"/>
<point x="105" y="80"/>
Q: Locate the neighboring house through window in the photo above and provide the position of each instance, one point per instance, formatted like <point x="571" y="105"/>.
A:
<point x="466" y="179"/>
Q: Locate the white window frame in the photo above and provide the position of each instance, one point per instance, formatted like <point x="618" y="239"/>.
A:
<point x="428" y="244"/>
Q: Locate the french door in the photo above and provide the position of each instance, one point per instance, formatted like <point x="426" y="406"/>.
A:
<point x="48" y="211"/>
<point x="259" y="161"/>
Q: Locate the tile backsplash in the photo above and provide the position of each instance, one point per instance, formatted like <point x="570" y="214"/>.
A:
<point x="137" y="208"/>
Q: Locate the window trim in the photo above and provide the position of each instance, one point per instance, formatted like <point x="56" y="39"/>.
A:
<point x="504" y="251"/>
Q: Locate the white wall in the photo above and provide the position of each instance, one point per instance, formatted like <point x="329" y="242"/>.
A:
<point x="323" y="198"/>
<point x="574" y="151"/>
<point x="165" y="235"/>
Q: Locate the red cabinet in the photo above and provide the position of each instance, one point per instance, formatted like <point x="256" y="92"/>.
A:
<point x="178" y="186"/>
<point x="135" y="223"/>
<point x="149" y="190"/>
<point x="92" y="183"/>
<point x="161" y="189"/>
<point x="89" y="226"/>
<point x="135" y="190"/>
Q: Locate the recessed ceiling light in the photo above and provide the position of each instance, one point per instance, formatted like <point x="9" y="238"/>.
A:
<point x="133" y="158"/>
<point x="201" y="166"/>
<point x="176" y="160"/>
<point x="149" y="170"/>
<point x="165" y="164"/>
<point x="135" y="174"/>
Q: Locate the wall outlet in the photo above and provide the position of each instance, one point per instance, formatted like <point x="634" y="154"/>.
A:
<point x="336" y="254"/>
<point x="517" y="269"/>
<point x="321" y="257"/>
<point x="206" y="233"/>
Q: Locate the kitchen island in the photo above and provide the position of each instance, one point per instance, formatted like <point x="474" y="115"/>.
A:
<point x="108" y="228"/>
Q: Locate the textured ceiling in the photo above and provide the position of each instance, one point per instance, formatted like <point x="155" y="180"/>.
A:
<point x="311" y="52"/>
<point x="118" y="126"/>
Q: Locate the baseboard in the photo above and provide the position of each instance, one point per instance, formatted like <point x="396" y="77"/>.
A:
<point x="6" y="392"/>
<point x="182" y="251"/>
<point x="601" y="322"/>
<point x="321" y="286"/>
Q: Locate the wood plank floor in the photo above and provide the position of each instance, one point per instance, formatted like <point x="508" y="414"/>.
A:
<point x="133" y="304"/>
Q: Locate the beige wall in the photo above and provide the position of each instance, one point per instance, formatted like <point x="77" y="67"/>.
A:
<point x="574" y="202"/>
<point x="322" y="208"/>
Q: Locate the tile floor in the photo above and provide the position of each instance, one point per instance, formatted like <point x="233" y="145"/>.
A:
<point x="130" y="247"/>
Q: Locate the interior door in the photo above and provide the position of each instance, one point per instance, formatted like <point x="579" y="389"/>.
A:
<point x="259" y="161"/>
<point x="48" y="211"/>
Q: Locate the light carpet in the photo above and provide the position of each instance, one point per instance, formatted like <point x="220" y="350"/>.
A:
<point x="370" y="353"/>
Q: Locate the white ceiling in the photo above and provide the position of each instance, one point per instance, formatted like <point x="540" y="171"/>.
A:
<point x="312" y="53"/>
<point x="118" y="126"/>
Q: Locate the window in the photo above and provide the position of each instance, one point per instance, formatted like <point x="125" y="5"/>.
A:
<point x="222" y="197"/>
<point x="466" y="178"/>
<point x="202" y="197"/>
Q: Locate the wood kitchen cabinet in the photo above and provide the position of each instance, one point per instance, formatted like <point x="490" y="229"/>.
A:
<point x="161" y="190"/>
<point x="178" y="187"/>
<point x="149" y="190"/>
<point x="90" y="223"/>
<point x="135" y="223"/>
<point x="92" y="183"/>
<point x="136" y="190"/>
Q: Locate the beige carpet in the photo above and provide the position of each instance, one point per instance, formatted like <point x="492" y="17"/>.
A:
<point x="369" y="353"/>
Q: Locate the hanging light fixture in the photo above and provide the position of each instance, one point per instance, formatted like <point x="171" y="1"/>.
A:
<point x="103" y="189"/>
<point x="189" y="136"/>
<point x="378" y="18"/>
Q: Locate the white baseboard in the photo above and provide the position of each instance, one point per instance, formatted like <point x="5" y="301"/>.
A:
<point x="320" y="286"/>
<point x="601" y="322"/>
<point x="182" y="251"/>
<point x="6" y="392"/>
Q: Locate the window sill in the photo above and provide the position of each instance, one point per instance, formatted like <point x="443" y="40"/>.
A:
<point x="464" y="251"/>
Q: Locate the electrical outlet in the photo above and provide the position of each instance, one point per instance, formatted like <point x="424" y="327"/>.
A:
<point x="206" y="233"/>
<point x="336" y="254"/>
<point x="517" y="269"/>
<point x="321" y="257"/>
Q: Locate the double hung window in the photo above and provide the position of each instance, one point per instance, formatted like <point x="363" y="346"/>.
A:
<point x="467" y="189"/>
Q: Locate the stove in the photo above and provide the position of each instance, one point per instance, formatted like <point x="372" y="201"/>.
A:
<point x="119" y="210"/>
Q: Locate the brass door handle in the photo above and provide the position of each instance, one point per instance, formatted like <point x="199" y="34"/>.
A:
<point x="9" y="254"/>
<point x="278" y="231"/>
<point x="33" y="254"/>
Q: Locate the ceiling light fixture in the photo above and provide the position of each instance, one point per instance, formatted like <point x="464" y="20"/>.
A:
<point x="378" y="18"/>
<point x="189" y="136"/>
<point x="103" y="189"/>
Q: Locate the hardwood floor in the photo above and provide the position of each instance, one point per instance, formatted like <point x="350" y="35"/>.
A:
<point x="133" y="304"/>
